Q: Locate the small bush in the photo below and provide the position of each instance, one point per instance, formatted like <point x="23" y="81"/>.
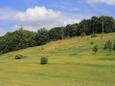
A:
<point x="95" y="49"/>
<point x="108" y="45"/>
<point x="19" y="56"/>
<point x="105" y="45"/>
<point x="91" y="43"/>
<point x="44" y="60"/>
<point x="83" y="34"/>
<point x="93" y="35"/>
<point x="114" y="45"/>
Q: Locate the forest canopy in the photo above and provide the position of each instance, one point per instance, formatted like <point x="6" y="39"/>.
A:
<point x="21" y="38"/>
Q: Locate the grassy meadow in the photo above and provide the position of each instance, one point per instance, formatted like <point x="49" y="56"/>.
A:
<point x="71" y="62"/>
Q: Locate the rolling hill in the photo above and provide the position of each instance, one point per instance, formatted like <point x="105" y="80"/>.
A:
<point x="71" y="62"/>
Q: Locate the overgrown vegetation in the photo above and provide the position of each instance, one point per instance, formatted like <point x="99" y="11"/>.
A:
<point x="21" y="39"/>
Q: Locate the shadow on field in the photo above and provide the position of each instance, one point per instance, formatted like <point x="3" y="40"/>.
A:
<point x="109" y="58"/>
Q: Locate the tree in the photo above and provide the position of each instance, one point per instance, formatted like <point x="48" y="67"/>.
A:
<point x="67" y="30"/>
<point x="42" y="37"/>
<point x="19" y="39"/>
<point x="57" y="33"/>
<point x="94" y="22"/>
<point x="107" y="23"/>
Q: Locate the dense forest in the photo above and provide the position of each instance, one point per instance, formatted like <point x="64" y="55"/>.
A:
<point x="21" y="38"/>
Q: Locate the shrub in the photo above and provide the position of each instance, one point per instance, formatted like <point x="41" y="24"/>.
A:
<point x="93" y="35"/>
<point x="95" y="49"/>
<point x="44" y="60"/>
<point x="83" y="34"/>
<point x="114" y="45"/>
<point x="105" y="45"/>
<point x="19" y="56"/>
<point x="108" y="45"/>
<point x="91" y="43"/>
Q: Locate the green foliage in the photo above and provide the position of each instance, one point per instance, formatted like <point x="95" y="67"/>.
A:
<point x="93" y="35"/>
<point x="71" y="30"/>
<point x="105" y="45"/>
<point x="114" y="45"/>
<point x="21" y="39"/>
<point x="83" y="34"/>
<point x="95" y="49"/>
<point x="44" y="60"/>
<point x="91" y="43"/>
<point x="19" y="56"/>
<point x="42" y="37"/>
<point x="108" y="45"/>
<point x="56" y="33"/>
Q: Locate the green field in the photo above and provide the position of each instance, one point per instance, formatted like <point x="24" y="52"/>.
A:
<point x="71" y="63"/>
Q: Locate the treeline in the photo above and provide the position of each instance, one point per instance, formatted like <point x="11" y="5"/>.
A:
<point x="21" y="39"/>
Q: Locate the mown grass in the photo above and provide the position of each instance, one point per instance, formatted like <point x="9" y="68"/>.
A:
<point x="71" y="63"/>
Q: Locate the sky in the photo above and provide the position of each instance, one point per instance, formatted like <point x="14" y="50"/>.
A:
<point x="36" y="14"/>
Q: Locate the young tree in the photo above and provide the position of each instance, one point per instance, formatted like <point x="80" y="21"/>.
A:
<point x="95" y="49"/>
<point x="114" y="45"/>
<point x="108" y="45"/>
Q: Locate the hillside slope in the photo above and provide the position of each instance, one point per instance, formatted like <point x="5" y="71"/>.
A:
<point x="71" y="63"/>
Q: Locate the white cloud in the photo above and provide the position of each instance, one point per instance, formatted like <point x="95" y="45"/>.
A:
<point x="37" y="14"/>
<point x="37" y="17"/>
<point x="110" y="2"/>
<point x="47" y="24"/>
